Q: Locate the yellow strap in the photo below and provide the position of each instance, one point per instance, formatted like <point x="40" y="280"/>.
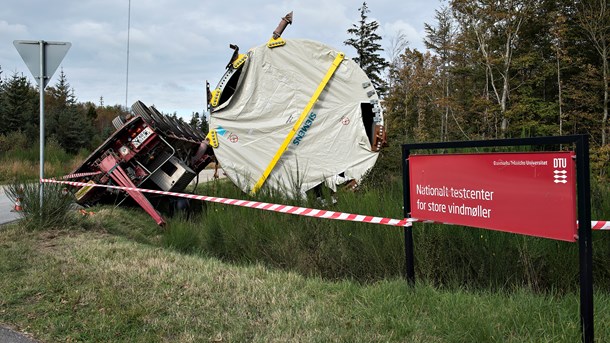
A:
<point x="298" y="123"/>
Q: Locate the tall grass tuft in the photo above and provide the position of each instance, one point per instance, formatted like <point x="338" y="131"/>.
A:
<point x="54" y="212"/>
<point x="183" y="234"/>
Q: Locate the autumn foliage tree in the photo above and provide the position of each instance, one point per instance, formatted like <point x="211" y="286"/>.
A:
<point x="510" y="68"/>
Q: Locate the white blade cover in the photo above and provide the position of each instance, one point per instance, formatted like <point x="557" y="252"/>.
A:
<point x="275" y="86"/>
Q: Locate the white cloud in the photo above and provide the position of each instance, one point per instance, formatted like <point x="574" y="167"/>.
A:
<point x="7" y="29"/>
<point x="395" y="28"/>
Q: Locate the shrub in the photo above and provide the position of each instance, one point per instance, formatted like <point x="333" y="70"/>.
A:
<point x="51" y="213"/>
<point x="14" y="141"/>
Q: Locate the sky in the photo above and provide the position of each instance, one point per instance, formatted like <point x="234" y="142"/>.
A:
<point x="175" y="46"/>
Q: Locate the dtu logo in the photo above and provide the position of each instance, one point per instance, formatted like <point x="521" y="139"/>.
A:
<point x="560" y="163"/>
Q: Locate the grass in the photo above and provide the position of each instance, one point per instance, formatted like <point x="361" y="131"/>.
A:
<point x="238" y="274"/>
<point x="445" y="256"/>
<point x="92" y="286"/>
<point x="19" y="158"/>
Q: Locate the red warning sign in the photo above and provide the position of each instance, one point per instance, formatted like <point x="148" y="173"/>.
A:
<point x="527" y="193"/>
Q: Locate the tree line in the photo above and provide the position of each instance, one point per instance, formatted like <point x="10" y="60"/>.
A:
<point x="498" y="69"/>
<point x="72" y="124"/>
<point x="492" y="69"/>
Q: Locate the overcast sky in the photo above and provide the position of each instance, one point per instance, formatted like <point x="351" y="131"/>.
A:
<point x="175" y="46"/>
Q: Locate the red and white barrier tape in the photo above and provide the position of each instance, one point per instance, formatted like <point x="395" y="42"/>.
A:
<point x="302" y="211"/>
<point x="595" y="224"/>
<point x="73" y="176"/>
<point x="600" y="225"/>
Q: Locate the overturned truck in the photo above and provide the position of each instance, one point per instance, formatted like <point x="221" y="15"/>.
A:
<point x="288" y="115"/>
<point x="148" y="150"/>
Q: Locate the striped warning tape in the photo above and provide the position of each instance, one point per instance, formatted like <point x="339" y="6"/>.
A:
<point x="302" y="211"/>
<point x="595" y="224"/>
<point x="600" y="225"/>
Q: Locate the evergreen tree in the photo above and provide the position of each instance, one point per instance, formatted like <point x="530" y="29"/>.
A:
<point x="58" y="98"/>
<point x="70" y="124"/>
<point x="205" y="126"/>
<point x="76" y="132"/>
<point x="195" y="122"/>
<point x="18" y="104"/>
<point x="62" y="93"/>
<point x="199" y="123"/>
<point x="91" y="111"/>
<point x="365" y="41"/>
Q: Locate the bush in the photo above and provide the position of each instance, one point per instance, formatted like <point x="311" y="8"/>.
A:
<point x="14" y="141"/>
<point x="54" y="212"/>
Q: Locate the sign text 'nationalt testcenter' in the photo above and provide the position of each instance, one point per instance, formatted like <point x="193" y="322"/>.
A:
<point x="456" y="194"/>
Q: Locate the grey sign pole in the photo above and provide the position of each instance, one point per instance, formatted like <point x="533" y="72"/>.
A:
<point x="42" y="58"/>
<point x="41" y="86"/>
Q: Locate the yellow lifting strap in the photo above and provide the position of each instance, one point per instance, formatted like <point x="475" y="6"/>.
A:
<point x="298" y="123"/>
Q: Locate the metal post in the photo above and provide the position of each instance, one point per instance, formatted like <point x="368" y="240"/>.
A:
<point x="41" y="85"/>
<point x="42" y="64"/>
<point x="127" y="71"/>
<point x="585" y="247"/>
<point x="408" y="230"/>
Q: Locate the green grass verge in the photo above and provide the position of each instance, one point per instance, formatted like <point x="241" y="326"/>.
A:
<point x="92" y="286"/>
<point x="445" y="255"/>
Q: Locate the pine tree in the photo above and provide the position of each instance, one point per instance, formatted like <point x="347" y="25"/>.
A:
<point x="365" y="41"/>
<point x="70" y="124"/>
<point x="195" y="122"/>
<point x="62" y="93"/>
<point x="91" y="111"/>
<point x="18" y="100"/>
<point x="58" y="98"/>
<point x="205" y="126"/>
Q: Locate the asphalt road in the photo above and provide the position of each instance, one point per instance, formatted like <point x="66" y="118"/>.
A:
<point x="9" y="336"/>
<point x="6" y="205"/>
